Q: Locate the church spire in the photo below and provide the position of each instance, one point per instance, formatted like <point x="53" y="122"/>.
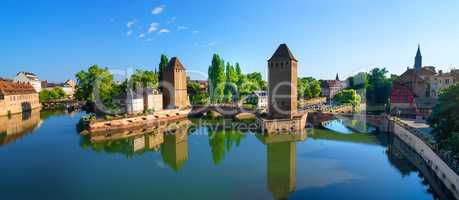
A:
<point x="337" y="77"/>
<point x="418" y="59"/>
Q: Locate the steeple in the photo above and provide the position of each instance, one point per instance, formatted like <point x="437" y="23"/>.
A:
<point x="337" y="77"/>
<point x="418" y="59"/>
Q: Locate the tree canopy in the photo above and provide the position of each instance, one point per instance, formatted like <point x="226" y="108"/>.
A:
<point x="445" y="119"/>
<point x="52" y="94"/>
<point x="308" y="87"/>
<point x="348" y="96"/>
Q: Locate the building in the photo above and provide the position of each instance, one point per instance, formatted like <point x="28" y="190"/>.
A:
<point x="282" y="86"/>
<point x="68" y="87"/>
<point x="259" y="98"/>
<point x="415" y="92"/>
<point x="152" y="99"/>
<point x="17" y="97"/>
<point x="27" y="77"/>
<point x="329" y="88"/>
<point x="174" y="86"/>
<point x="134" y="101"/>
<point x="203" y="85"/>
<point x="440" y="82"/>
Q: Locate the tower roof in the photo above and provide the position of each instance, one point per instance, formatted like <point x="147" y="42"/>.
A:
<point x="282" y="53"/>
<point x="418" y="53"/>
<point x="175" y="63"/>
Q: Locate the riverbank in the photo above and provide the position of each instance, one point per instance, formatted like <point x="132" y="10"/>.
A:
<point x="123" y="123"/>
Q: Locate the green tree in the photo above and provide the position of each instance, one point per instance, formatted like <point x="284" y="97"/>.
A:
<point x="231" y="82"/>
<point x="144" y="79"/>
<point x="197" y="97"/>
<point x="95" y="84"/>
<point x="444" y="119"/>
<point x="348" y="96"/>
<point x="379" y="86"/>
<point x="216" y="79"/>
<point x="308" y="87"/>
<point x="164" y="61"/>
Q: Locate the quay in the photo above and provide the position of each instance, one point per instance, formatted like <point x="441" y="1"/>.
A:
<point x="152" y="120"/>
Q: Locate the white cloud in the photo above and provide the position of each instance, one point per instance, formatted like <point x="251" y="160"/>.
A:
<point x="153" y="27"/>
<point x="141" y="35"/>
<point x="129" y="33"/>
<point x="182" y="28"/>
<point x="130" y="24"/>
<point x="158" y="9"/>
<point x="164" y="30"/>
<point x="195" y="32"/>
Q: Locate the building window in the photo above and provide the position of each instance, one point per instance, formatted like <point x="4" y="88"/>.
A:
<point x="447" y="81"/>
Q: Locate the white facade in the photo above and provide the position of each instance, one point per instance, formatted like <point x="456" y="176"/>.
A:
<point x="261" y="99"/>
<point x="440" y="82"/>
<point x="26" y="77"/>
<point x="134" y="105"/>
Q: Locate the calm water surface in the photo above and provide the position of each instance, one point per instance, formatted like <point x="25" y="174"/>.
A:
<point x="43" y="157"/>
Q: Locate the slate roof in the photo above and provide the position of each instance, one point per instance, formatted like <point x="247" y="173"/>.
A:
<point x="175" y="63"/>
<point x="282" y="53"/>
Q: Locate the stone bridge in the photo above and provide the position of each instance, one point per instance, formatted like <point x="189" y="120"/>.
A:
<point x="379" y="121"/>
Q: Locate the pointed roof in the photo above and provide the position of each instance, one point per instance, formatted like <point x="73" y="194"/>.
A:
<point x="175" y="64"/>
<point x="419" y="51"/>
<point x="337" y="77"/>
<point x="282" y="53"/>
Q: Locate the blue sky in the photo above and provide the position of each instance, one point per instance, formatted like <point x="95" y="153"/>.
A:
<point x="55" y="39"/>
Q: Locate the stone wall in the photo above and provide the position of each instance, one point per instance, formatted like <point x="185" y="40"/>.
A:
<point x="18" y="103"/>
<point x="449" y="178"/>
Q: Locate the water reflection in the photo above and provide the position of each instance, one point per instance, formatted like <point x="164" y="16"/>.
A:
<point x="174" y="150"/>
<point x="223" y="141"/>
<point x="408" y="161"/>
<point x="281" y="162"/>
<point x="17" y="126"/>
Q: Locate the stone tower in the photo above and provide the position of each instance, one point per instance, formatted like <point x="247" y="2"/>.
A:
<point x="174" y="86"/>
<point x="418" y="60"/>
<point x="282" y="83"/>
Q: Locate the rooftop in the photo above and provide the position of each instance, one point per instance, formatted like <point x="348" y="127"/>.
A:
<point x="282" y="53"/>
<point x="11" y="88"/>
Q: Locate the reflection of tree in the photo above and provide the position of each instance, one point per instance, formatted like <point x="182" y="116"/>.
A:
<point x="222" y="141"/>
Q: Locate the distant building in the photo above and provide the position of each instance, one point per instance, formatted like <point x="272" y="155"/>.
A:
<point x="439" y="82"/>
<point x="455" y="74"/>
<point x="329" y="88"/>
<point x="415" y="92"/>
<point x="259" y="98"/>
<point x="282" y="83"/>
<point x="152" y="99"/>
<point x="17" y="97"/>
<point x="175" y="86"/>
<point x="203" y="85"/>
<point x="68" y="87"/>
<point x="27" y="77"/>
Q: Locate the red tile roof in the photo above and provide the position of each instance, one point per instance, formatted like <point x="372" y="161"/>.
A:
<point x="10" y="88"/>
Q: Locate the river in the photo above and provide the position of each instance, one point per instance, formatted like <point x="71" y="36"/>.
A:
<point x="42" y="156"/>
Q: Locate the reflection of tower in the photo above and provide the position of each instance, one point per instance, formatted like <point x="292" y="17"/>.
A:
<point x="174" y="86"/>
<point x="281" y="162"/>
<point x="154" y="141"/>
<point x="282" y="80"/>
<point x="175" y="147"/>
<point x="281" y="169"/>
